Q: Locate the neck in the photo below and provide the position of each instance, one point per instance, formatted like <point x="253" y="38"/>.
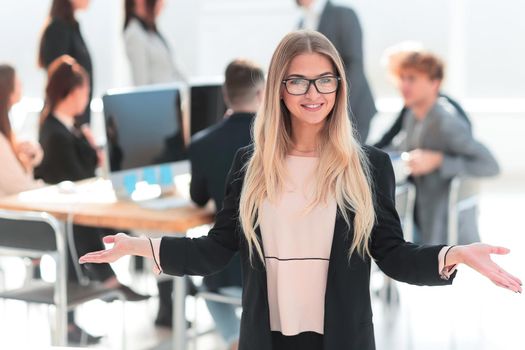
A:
<point x="64" y="110"/>
<point x="244" y="108"/>
<point x="140" y="10"/>
<point x="305" y="137"/>
<point x="422" y="108"/>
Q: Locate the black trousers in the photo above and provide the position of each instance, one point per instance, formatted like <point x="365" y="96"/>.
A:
<point x="301" y="341"/>
<point x="88" y="239"/>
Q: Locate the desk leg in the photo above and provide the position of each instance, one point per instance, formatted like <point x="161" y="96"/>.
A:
<point x="179" y="313"/>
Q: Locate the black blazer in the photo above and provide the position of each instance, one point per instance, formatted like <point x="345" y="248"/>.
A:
<point x="64" y="38"/>
<point x="67" y="155"/>
<point x="211" y="154"/>
<point x="348" y="312"/>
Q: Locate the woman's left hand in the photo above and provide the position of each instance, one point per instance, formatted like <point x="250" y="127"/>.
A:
<point x="477" y="256"/>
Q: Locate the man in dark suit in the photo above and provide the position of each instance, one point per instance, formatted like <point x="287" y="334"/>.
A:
<point x="341" y="25"/>
<point x="211" y="153"/>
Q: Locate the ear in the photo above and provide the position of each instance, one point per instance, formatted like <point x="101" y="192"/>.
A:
<point x="260" y="94"/>
<point x="436" y="84"/>
<point x="225" y="96"/>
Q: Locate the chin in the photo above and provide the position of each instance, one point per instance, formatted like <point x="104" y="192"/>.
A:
<point x="313" y="120"/>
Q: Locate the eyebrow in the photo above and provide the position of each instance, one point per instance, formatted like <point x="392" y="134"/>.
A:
<point x="303" y="76"/>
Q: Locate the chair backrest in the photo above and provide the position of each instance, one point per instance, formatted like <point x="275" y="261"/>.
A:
<point x="28" y="233"/>
<point x="463" y="195"/>
<point x="405" y="202"/>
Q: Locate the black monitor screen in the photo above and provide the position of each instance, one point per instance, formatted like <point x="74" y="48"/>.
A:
<point x="207" y="106"/>
<point x="143" y="127"/>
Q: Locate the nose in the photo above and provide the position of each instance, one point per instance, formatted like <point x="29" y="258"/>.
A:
<point x="312" y="91"/>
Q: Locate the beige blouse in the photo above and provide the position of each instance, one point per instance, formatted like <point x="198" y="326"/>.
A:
<point x="13" y="177"/>
<point x="297" y="248"/>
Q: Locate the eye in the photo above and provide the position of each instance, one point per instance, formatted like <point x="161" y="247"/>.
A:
<point x="296" y="81"/>
<point x="326" y="80"/>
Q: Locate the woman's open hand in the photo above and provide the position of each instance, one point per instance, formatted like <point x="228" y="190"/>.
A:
<point x="122" y="245"/>
<point x="477" y="256"/>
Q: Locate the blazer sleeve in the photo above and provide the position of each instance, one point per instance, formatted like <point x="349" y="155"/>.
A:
<point x="208" y="254"/>
<point x="464" y="155"/>
<point x="401" y="260"/>
<point x="56" y="42"/>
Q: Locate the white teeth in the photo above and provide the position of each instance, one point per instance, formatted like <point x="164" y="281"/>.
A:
<point x="312" y="106"/>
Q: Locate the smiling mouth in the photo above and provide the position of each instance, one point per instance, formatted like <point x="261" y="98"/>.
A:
<point x="312" y="106"/>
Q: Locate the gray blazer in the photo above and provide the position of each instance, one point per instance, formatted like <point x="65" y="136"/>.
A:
<point x="341" y="25"/>
<point x="445" y="131"/>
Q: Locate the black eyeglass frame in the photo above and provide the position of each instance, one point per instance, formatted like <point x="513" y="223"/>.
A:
<point x="312" y="81"/>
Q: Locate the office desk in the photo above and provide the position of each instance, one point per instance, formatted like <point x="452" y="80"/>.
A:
<point x="93" y="203"/>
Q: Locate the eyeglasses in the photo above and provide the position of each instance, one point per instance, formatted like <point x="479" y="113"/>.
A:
<point x="300" y="86"/>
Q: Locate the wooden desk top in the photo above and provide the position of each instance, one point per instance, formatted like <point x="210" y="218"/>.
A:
<point x="93" y="203"/>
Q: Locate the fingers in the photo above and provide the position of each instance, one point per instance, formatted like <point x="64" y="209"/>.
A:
<point x="499" y="280"/>
<point x="101" y="256"/>
<point x="513" y="282"/>
<point x="109" y="239"/>
<point x="503" y="280"/>
<point x="499" y="250"/>
<point x="512" y="277"/>
<point x="89" y="257"/>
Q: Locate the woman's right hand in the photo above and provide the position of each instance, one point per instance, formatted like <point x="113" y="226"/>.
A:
<point x="122" y="245"/>
<point x="30" y="154"/>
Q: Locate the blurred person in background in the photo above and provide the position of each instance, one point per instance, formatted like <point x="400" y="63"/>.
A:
<point x="211" y="154"/>
<point x="341" y="25"/>
<point x="150" y="57"/>
<point x="18" y="158"/>
<point x="439" y="145"/>
<point x="391" y="58"/>
<point x="151" y="61"/>
<point x="70" y="154"/>
<point x="62" y="36"/>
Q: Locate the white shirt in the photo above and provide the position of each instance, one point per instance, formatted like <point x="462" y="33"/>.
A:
<point x="312" y="14"/>
<point x="150" y="58"/>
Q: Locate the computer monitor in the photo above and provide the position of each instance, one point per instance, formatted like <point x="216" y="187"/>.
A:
<point x="207" y="105"/>
<point x="144" y="129"/>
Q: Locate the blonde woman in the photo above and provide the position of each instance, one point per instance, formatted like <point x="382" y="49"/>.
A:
<point x="308" y="208"/>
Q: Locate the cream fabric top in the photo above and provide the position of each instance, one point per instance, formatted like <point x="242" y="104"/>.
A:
<point x="13" y="178"/>
<point x="151" y="61"/>
<point x="297" y="247"/>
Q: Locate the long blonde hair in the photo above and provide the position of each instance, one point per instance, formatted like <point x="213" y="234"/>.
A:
<point x="343" y="169"/>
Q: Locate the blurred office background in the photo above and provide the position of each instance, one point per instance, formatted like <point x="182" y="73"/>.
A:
<point x="482" y="44"/>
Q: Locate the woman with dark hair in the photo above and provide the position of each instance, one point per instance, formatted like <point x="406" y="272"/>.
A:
<point x="62" y="36"/>
<point x="17" y="158"/>
<point x="148" y="52"/>
<point x="70" y="155"/>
